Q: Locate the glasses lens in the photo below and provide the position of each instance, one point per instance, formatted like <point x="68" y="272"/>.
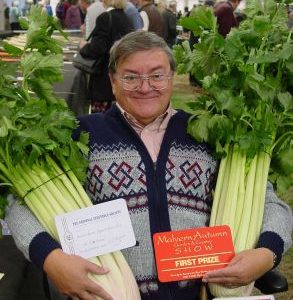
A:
<point x="159" y="81"/>
<point x="131" y="82"/>
<point x="134" y="82"/>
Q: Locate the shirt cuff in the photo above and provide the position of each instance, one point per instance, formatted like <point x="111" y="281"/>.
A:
<point x="274" y="242"/>
<point x="40" y="247"/>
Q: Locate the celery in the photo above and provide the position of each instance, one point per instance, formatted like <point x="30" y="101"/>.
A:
<point x="39" y="161"/>
<point x="245" y="113"/>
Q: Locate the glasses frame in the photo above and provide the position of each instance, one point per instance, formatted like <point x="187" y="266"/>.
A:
<point x="143" y="77"/>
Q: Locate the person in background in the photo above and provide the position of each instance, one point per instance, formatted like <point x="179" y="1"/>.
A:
<point x="152" y="19"/>
<point x="14" y="14"/>
<point x="48" y="8"/>
<point x="224" y="11"/>
<point x="140" y="149"/>
<point x="169" y="15"/>
<point x="6" y="16"/>
<point x="135" y="3"/>
<point x="60" y="11"/>
<point x="92" y="12"/>
<point x="186" y="11"/>
<point x="78" y="100"/>
<point x="27" y="7"/>
<point x="179" y="15"/>
<point x="110" y="26"/>
<point x="83" y="6"/>
<point x="72" y="16"/>
<point x="134" y="15"/>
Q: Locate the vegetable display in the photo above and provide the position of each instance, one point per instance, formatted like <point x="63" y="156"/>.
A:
<point x="39" y="161"/>
<point x="245" y="113"/>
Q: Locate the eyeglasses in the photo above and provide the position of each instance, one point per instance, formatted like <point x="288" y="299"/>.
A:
<point x="132" y="82"/>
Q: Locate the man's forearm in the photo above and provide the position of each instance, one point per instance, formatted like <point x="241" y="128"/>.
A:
<point x="29" y="235"/>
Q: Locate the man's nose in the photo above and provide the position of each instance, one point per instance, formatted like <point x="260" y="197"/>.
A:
<point x="145" y="85"/>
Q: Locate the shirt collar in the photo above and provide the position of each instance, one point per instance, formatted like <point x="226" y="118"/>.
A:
<point x="158" y="124"/>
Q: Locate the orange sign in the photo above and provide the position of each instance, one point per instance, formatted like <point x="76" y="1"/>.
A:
<point x="189" y="254"/>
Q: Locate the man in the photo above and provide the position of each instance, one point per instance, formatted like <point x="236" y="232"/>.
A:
<point x="169" y="15"/>
<point x="92" y="12"/>
<point x="224" y="11"/>
<point x="134" y="15"/>
<point x="140" y="150"/>
<point x="152" y="19"/>
<point x="60" y="11"/>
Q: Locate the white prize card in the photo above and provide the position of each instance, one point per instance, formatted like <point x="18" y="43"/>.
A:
<point x="261" y="297"/>
<point x="96" y="230"/>
<point x="1" y="275"/>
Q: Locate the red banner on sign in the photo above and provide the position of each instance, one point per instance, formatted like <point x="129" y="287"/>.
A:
<point x="189" y="254"/>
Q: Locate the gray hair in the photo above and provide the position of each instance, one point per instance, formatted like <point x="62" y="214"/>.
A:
<point x="139" y="40"/>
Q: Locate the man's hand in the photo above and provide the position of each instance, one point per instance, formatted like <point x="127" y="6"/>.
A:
<point x="69" y="273"/>
<point x="244" y="268"/>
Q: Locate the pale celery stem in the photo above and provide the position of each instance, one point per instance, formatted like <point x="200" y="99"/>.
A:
<point x="133" y="290"/>
<point x="67" y="196"/>
<point x="115" y="276"/>
<point x="103" y="280"/>
<point x="41" y="214"/>
<point x="241" y="195"/>
<point x="67" y="183"/>
<point x="39" y="184"/>
<point x="221" y="291"/>
<point x="72" y="190"/>
<point x="79" y="188"/>
<point x="219" y="187"/>
<point x="42" y="197"/>
<point x="263" y="187"/>
<point x="67" y="205"/>
<point x="84" y="196"/>
<point x="241" y="237"/>
<point x="223" y="193"/>
<point x="257" y="204"/>
<point x="231" y="198"/>
<point x="23" y="186"/>
<point x="31" y="200"/>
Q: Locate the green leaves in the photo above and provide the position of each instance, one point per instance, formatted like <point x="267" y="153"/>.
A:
<point x="11" y="49"/>
<point x="199" y="20"/>
<point x="39" y="32"/>
<point x="5" y="126"/>
<point x="248" y="81"/>
<point x="34" y="122"/>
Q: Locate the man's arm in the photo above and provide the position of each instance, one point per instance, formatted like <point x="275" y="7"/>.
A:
<point x="276" y="233"/>
<point x="69" y="273"/>
<point x="29" y="235"/>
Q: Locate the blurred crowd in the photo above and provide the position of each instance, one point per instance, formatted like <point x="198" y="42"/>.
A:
<point x="72" y="14"/>
<point x="88" y="17"/>
<point x="82" y="14"/>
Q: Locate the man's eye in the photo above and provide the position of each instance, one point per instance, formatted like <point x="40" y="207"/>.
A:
<point x="157" y="77"/>
<point x="130" y="77"/>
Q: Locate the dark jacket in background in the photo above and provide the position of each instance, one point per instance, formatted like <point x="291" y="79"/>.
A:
<point x="225" y="17"/>
<point x="170" y="27"/>
<point x="156" y="21"/>
<point x="106" y="32"/>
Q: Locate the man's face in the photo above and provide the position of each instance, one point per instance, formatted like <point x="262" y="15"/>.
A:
<point x="145" y="103"/>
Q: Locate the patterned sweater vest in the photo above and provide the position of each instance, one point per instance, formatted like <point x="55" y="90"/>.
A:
<point x="173" y="194"/>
